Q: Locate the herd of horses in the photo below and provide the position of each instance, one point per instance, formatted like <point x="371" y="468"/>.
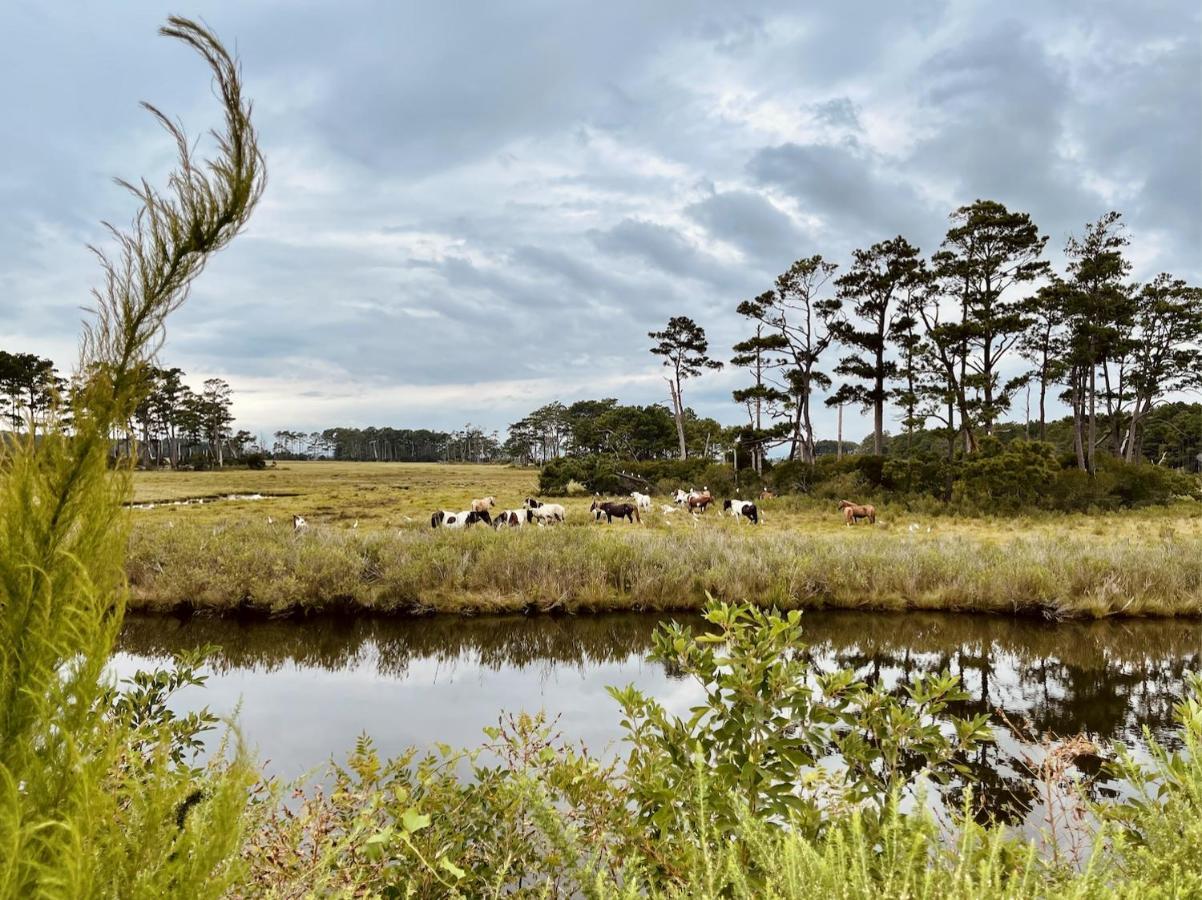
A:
<point x="536" y="512"/>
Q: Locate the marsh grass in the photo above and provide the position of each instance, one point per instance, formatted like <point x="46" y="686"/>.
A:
<point x="249" y="564"/>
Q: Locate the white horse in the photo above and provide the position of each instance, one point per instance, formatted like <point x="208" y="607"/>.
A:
<point x="642" y="501"/>
<point x="547" y="513"/>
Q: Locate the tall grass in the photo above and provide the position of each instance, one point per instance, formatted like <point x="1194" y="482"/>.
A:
<point x="269" y="568"/>
<point x="91" y="803"/>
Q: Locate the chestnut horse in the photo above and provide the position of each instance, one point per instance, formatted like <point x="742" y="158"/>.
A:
<point x="853" y="512"/>
<point x="699" y="500"/>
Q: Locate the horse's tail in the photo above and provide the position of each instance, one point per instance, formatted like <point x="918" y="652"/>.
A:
<point x="637" y="517"/>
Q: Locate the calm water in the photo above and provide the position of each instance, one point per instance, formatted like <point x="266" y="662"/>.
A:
<point x="303" y="690"/>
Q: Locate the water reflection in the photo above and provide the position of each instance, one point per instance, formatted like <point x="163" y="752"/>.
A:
<point x="308" y="687"/>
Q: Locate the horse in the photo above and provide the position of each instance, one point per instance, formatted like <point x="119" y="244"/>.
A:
<point x="450" y="519"/>
<point x="668" y="510"/>
<point x="299" y="523"/>
<point x="699" y="500"/>
<point x="514" y="518"/>
<point x="853" y="512"/>
<point x="741" y="509"/>
<point x="642" y="501"/>
<point x="611" y="510"/>
<point x="547" y="513"/>
<point x="483" y="505"/>
<point x="766" y="494"/>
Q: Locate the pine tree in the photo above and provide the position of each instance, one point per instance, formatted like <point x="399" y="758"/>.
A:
<point x="686" y="354"/>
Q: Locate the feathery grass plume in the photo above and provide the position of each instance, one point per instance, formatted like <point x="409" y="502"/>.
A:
<point x="80" y="813"/>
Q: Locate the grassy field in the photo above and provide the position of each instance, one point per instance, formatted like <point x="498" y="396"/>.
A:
<point x="370" y="547"/>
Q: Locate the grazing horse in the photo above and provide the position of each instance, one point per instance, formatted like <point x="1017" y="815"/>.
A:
<point x="766" y="494"/>
<point x="853" y="512"/>
<point x="611" y="510"/>
<point x="299" y="523"/>
<point x="642" y="501"/>
<point x="450" y="519"/>
<point x="699" y="500"/>
<point x="483" y="505"/>
<point x="741" y="509"/>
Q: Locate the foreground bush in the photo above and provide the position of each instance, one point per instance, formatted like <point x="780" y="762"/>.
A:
<point x="269" y="568"/>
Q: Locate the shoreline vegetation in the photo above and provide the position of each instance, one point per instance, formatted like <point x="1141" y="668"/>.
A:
<point x="1128" y="565"/>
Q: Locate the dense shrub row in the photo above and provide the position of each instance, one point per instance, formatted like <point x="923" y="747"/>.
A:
<point x="999" y="477"/>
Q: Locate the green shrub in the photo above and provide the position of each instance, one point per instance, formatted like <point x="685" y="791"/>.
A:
<point x="1007" y="477"/>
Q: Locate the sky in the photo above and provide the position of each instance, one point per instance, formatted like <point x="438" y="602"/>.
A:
<point x="475" y="208"/>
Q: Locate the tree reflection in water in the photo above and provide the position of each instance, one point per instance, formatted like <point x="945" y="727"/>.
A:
<point x="1109" y="679"/>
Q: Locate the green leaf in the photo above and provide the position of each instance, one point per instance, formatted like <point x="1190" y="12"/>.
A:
<point x="449" y="866"/>
<point x="413" y="821"/>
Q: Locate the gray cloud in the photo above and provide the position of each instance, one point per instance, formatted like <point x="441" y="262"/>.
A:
<point x="474" y="209"/>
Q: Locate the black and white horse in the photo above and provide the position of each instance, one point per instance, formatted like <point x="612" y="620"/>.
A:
<point x="445" y="518"/>
<point x="742" y="508"/>
<point x="545" y="513"/>
<point x="511" y="518"/>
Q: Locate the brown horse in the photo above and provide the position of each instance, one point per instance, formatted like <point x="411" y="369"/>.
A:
<point x="853" y="512"/>
<point x="611" y="510"/>
<point x="766" y="494"/>
<point x="699" y="500"/>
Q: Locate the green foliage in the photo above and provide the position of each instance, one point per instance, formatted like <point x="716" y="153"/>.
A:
<point x="91" y="788"/>
<point x="729" y="802"/>
<point x="142" y="708"/>
<point x="767" y="721"/>
<point x="1007" y="477"/>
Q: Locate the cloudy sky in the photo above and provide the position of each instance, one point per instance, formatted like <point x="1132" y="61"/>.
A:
<point x="475" y="208"/>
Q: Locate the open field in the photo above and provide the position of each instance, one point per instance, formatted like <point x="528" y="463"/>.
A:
<point x="227" y="555"/>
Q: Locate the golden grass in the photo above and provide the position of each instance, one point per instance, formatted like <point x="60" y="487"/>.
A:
<point x="226" y="555"/>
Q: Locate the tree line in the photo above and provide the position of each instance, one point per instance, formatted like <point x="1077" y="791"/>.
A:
<point x="174" y="425"/>
<point x="607" y="427"/>
<point x="381" y="444"/>
<point x="951" y="340"/>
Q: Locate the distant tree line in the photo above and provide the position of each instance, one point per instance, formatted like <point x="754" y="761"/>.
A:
<point x="607" y="427"/>
<point x="467" y="444"/>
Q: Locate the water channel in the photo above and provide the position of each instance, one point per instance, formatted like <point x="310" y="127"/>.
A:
<point x="303" y="690"/>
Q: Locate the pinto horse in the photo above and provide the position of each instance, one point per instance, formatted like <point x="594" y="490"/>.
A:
<point x="853" y="512"/>
<point x="741" y="509"/>
<point x="699" y="500"/>
<point x="446" y="518"/>
<point x="612" y="510"/>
